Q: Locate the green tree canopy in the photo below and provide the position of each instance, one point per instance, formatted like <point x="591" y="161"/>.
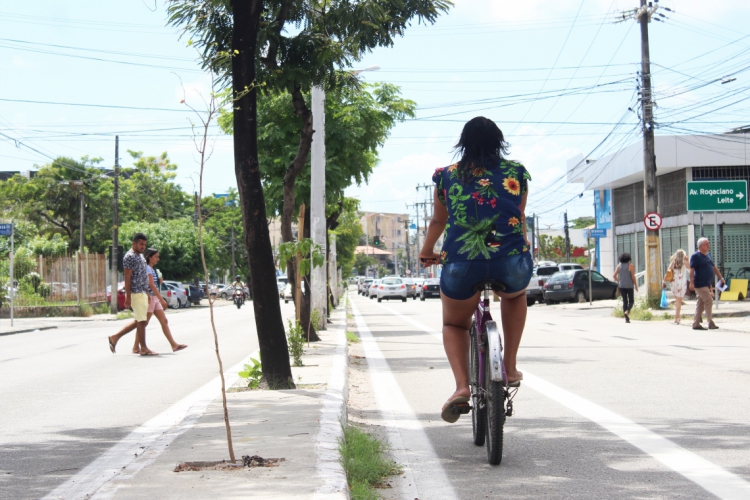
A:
<point x="359" y="118"/>
<point x="582" y="222"/>
<point x="348" y="230"/>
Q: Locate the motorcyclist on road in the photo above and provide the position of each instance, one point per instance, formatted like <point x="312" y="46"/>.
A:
<point x="239" y="285"/>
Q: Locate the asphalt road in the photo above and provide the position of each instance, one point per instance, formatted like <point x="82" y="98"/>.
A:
<point x="65" y="398"/>
<point x="687" y="388"/>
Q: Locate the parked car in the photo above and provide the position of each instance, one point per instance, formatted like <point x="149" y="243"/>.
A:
<point x="120" y="295"/>
<point x="430" y="288"/>
<point x="364" y="286"/>
<point x="573" y="286"/>
<point x="534" y="290"/>
<point x="391" y="288"/>
<point x="411" y="288"/>
<point x="179" y="293"/>
<point x="372" y="289"/>
<point x="195" y="295"/>
<point x="223" y="291"/>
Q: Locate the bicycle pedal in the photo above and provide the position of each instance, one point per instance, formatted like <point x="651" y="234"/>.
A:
<point x="461" y="408"/>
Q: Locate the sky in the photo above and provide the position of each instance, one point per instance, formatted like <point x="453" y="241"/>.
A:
<point x="558" y="77"/>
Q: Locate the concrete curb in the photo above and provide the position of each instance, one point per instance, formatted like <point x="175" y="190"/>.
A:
<point x="13" y="332"/>
<point x="333" y="418"/>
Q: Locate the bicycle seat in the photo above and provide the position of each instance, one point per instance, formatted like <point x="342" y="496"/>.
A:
<point x="494" y="285"/>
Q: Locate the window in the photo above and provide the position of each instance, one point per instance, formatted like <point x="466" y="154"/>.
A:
<point x="597" y="277"/>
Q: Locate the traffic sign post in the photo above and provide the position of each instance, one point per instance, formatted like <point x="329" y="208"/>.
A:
<point x="7" y="230"/>
<point x="716" y="196"/>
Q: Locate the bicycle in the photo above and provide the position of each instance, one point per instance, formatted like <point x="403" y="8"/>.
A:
<point x="491" y="395"/>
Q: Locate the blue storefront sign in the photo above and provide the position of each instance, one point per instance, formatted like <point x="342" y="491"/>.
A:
<point x="6" y="229"/>
<point x="603" y="208"/>
<point x="597" y="233"/>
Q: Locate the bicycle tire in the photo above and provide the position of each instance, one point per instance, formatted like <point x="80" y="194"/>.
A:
<point x="495" y="417"/>
<point x="478" y="408"/>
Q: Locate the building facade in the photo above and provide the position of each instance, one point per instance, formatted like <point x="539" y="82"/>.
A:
<point x="617" y="183"/>
<point x="393" y="233"/>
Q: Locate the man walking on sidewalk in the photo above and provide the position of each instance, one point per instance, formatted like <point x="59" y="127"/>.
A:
<point x="702" y="271"/>
<point x="136" y="293"/>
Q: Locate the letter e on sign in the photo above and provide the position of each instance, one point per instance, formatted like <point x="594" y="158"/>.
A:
<point x="652" y="221"/>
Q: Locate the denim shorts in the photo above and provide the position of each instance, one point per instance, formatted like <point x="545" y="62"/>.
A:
<point x="458" y="278"/>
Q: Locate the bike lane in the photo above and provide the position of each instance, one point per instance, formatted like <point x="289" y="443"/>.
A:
<point x="554" y="450"/>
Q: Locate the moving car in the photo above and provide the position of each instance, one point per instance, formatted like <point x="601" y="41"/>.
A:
<point x="281" y="281"/>
<point x="573" y="286"/>
<point x="391" y="288"/>
<point x="372" y="289"/>
<point x="289" y="293"/>
<point x="411" y="288"/>
<point x="430" y="288"/>
<point x="364" y="286"/>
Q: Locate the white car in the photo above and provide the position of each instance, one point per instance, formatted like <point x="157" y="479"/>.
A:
<point x="289" y="293"/>
<point x="372" y="289"/>
<point x="392" y="288"/>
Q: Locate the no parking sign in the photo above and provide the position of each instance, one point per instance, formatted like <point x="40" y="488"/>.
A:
<point x="652" y="221"/>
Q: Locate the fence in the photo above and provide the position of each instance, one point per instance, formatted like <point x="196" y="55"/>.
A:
<point x="54" y="281"/>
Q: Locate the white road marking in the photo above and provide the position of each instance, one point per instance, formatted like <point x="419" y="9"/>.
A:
<point x="422" y="468"/>
<point x="705" y="474"/>
<point x="102" y="477"/>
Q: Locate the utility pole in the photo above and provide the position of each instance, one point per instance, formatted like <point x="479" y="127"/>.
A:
<point x="83" y="240"/>
<point x="408" y="252"/>
<point x="318" y="282"/>
<point x="567" y="237"/>
<point x="115" y="233"/>
<point x="651" y="201"/>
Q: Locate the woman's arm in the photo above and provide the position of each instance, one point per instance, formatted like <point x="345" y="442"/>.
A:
<point x="631" y="267"/>
<point x="155" y="289"/>
<point x="522" y="206"/>
<point x="616" y="276"/>
<point x="435" y="229"/>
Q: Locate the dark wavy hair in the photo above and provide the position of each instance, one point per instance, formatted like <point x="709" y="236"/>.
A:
<point x="480" y="145"/>
<point x="625" y="257"/>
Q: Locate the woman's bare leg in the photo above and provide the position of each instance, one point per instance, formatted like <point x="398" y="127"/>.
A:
<point x="513" y="313"/>
<point x="677" y="307"/>
<point x="457" y="316"/>
<point x="165" y="328"/>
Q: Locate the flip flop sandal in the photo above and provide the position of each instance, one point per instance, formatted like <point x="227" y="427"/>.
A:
<point x="149" y="353"/>
<point x="515" y="383"/>
<point x="180" y="347"/>
<point x="450" y="413"/>
<point x="111" y="345"/>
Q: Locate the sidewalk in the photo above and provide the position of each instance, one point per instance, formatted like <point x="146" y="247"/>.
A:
<point x="300" y="426"/>
<point x="726" y="309"/>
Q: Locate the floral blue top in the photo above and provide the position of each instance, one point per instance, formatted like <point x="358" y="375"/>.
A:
<point x="484" y="216"/>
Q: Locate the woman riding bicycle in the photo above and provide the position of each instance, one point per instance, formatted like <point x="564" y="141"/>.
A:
<point x="479" y="202"/>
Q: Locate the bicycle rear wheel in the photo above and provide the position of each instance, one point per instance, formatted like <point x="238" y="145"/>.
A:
<point x="495" y="415"/>
<point x="477" y="404"/>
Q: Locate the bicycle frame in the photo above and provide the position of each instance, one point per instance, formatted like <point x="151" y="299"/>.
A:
<point x="489" y="343"/>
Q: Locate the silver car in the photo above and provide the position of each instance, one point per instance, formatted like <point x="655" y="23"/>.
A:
<point x="179" y="293"/>
<point x="372" y="289"/>
<point x="392" y="288"/>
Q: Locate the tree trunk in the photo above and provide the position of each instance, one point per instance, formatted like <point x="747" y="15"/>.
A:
<point x="277" y="372"/>
<point x="306" y="306"/>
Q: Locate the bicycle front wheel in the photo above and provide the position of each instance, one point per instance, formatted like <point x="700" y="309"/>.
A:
<point x="494" y="415"/>
<point x="477" y="401"/>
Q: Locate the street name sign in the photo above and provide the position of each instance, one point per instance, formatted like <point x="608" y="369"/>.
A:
<point x="716" y="196"/>
<point x="6" y="229"/>
<point x="597" y="233"/>
<point x="652" y="221"/>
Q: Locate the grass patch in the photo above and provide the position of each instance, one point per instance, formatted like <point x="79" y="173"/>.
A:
<point x="102" y="309"/>
<point x="125" y="314"/>
<point x="365" y="462"/>
<point x="86" y="310"/>
<point x="351" y="337"/>
<point x="640" y="312"/>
